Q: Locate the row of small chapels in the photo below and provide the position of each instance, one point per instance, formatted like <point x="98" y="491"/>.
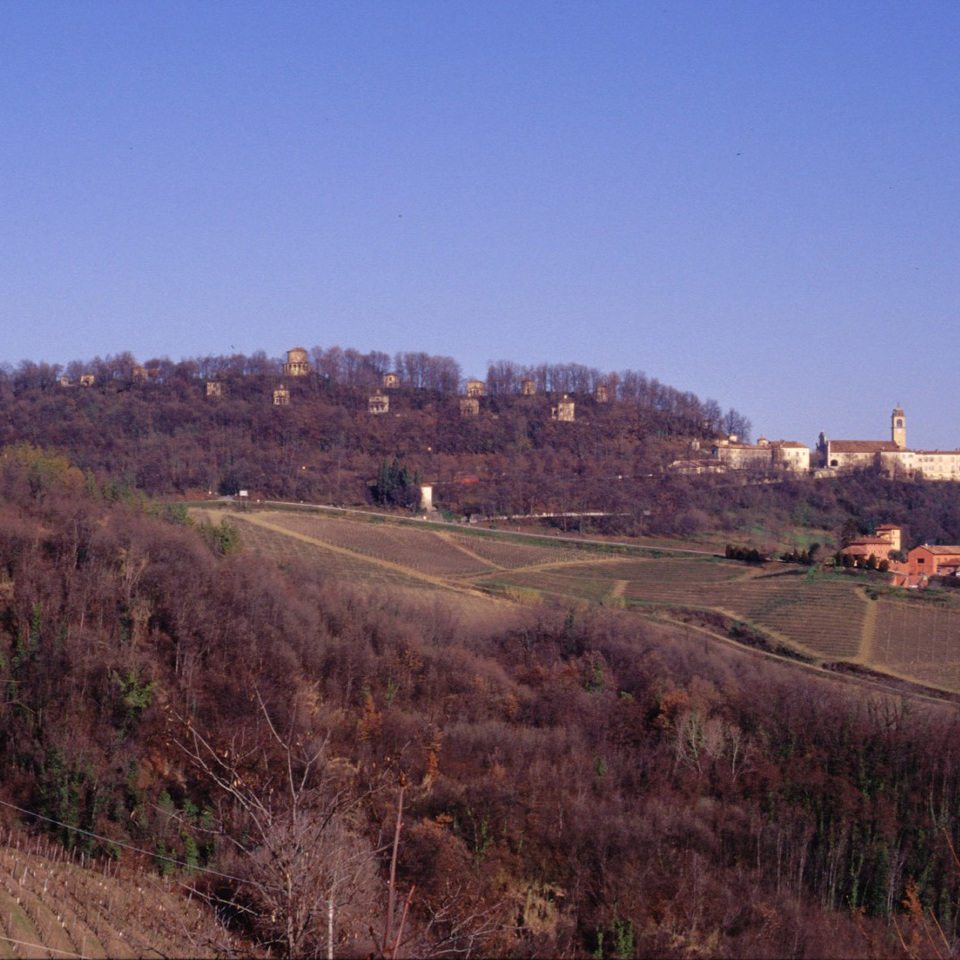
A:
<point x="298" y="365"/>
<point x="892" y="456"/>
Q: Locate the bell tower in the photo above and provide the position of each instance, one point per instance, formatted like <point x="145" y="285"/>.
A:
<point x="898" y="427"/>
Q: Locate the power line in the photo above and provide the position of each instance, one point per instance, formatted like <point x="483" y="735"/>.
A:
<point x="125" y="846"/>
<point x="40" y="946"/>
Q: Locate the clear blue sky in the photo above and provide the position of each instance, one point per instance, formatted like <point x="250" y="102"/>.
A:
<point x="753" y="200"/>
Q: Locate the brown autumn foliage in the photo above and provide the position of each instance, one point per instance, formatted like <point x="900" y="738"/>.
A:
<point x="164" y="436"/>
<point x="578" y="782"/>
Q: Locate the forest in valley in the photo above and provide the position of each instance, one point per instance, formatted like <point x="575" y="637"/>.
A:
<point x="368" y="771"/>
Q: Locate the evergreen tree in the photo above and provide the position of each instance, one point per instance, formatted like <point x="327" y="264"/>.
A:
<point x="396" y="486"/>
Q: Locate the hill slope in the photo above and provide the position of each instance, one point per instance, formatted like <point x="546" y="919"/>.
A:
<point x="51" y="906"/>
<point x="569" y="778"/>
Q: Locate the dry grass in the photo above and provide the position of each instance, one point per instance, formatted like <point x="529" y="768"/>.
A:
<point x="313" y="557"/>
<point x="422" y="551"/>
<point x="508" y="555"/>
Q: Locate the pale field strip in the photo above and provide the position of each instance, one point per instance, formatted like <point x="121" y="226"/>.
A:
<point x="326" y="561"/>
<point x="28" y="887"/>
<point x="101" y="916"/>
<point x="824" y="605"/>
<point x="80" y="912"/>
<point x="374" y="568"/>
<point x="820" y="617"/>
<point x="70" y="908"/>
<point x="120" y="925"/>
<point x="421" y="550"/>
<point x="6" y="948"/>
<point x="47" y="927"/>
<point x="682" y="572"/>
<point x="17" y="925"/>
<point x="555" y="583"/>
<point x="676" y="581"/>
<point x="509" y="556"/>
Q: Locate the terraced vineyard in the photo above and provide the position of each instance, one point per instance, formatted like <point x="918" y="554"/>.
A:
<point x="311" y="556"/>
<point x="827" y="618"/>
<point x="824" y="618"/>
<point x="325" y="559"/>
<point x="577" y="581"/>
<point x="919" y="640"/>
<point x="56" y="908"/>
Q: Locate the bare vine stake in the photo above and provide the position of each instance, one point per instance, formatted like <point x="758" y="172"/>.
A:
<point x="391" y="899"/>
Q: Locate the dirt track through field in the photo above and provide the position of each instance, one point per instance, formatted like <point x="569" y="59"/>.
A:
<point x="356" y="555"/>
<point x="446" y="538"/>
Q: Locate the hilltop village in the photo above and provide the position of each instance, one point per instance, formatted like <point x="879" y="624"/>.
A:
<point x="527" y="441"/>
<point x="891" y="457"/>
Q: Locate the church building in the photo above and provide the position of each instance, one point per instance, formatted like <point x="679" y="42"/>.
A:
<point x="891" y="456"/>
<point x="844" y="454"/>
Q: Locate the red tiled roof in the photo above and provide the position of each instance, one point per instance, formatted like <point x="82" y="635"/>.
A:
<point x="862" y="446"/>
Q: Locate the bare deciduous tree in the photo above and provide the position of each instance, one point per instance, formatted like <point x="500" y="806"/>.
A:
<point x="312" y="878"/>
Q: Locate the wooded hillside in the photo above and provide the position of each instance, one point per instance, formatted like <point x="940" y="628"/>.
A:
<point x="164" y="437"/>
<point x="573" y="781"/>
<point x="570" y="780"/>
